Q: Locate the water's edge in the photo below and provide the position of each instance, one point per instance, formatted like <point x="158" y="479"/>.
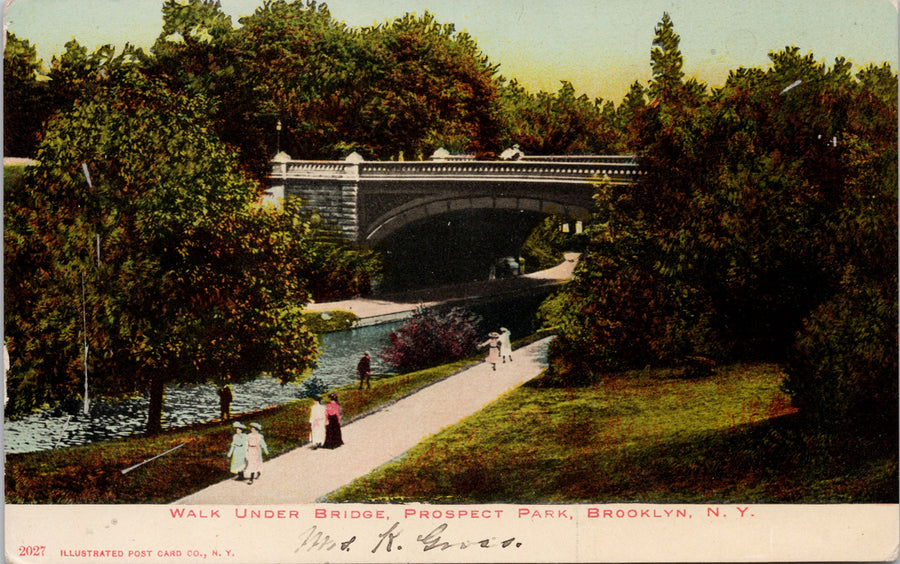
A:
<point x="191" y="404"/>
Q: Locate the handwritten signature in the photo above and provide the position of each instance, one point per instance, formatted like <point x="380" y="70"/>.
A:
<point x="314" y="539"/>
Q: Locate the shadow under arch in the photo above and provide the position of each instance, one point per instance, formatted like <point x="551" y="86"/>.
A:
<point x="424" y="208"/>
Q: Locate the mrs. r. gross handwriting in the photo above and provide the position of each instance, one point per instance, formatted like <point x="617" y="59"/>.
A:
<point x="395" y="539"/>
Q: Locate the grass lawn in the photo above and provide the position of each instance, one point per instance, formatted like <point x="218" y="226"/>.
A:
<point x="93" y="473"/>
<point x="647" y="436"/>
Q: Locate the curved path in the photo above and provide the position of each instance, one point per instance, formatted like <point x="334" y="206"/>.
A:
<point x="305" y="475"/>
<point x="406" y="302"/>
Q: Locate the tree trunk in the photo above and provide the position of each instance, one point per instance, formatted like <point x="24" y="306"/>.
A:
<point x="155" y="412"/>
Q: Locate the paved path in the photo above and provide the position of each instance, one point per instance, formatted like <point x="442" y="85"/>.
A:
<point x="407" y="302"/>
<point x="305" y="475"/>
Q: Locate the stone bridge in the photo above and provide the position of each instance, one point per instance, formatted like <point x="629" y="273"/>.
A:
<point x="369" y="200"/>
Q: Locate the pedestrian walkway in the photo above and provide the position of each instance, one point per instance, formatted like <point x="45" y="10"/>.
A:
<point x="403" y="304"/>
<point x="305" y="475"/>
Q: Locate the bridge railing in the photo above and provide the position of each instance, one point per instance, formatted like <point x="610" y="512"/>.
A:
<point x="617" y="169"/>
<point x="593" y="159"/>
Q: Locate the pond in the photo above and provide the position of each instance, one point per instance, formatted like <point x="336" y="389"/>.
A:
<point x="185" y="405"/>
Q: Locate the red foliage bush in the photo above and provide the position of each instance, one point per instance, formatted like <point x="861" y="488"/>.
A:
<point x="431" y="337"/>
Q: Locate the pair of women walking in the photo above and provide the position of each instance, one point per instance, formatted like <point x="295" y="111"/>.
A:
<point x="325" y="423"/>
<point x="499" y="347"/>
<point x="247" y="450"/>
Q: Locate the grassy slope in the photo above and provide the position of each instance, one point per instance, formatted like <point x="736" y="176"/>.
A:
<point x="643" y="436"/>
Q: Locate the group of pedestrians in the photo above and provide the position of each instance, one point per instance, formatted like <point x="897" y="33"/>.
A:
<point x="499" y="347"/>
<point x="247" y="450"/>
<point x="325" y="423"/>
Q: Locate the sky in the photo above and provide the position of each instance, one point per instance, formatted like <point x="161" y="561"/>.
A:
<point x="600" y="46"/>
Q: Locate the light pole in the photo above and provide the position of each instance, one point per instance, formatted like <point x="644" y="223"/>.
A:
<point x="278" y="137"/>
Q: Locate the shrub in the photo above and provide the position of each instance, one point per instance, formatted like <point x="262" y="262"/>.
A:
<point x="842" y="372"/>
<point x="431" y="337"/>
<point x="541" y="249"/>
<point x="320" y="322"/>
<point x="314" y="388"/>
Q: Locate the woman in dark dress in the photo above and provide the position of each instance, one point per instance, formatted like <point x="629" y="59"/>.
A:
<point x="333" y="426"/>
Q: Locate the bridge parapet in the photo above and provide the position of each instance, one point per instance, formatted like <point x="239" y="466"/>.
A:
<point x="617" y="171"/>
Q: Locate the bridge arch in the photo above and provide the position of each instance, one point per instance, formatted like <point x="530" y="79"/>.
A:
<point x="423" y="208"/>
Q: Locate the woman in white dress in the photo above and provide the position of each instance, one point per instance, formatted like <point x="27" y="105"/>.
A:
<point x="317" y="420"/>
<point x="505" y="345"/>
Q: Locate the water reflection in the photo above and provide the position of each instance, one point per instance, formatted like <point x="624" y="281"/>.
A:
<point x="185" y="405"/>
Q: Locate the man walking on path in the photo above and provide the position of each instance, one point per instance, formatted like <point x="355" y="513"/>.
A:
<point x="379" y="437"/>
<point x="364" y="369"/>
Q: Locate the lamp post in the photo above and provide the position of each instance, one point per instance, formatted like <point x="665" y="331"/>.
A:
<point x="278" y="137"/>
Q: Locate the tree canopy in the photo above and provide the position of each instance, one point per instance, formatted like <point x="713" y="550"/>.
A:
<point x="765" y="208"/>
<point x="158" y="257"/>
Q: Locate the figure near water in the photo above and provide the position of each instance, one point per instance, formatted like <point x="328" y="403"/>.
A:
<point x="364" y="370"/>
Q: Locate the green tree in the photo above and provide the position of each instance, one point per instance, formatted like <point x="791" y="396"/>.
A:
<point x="559" y="123"/>
<point x="666" y="60"/>
<point x="433" y="87"/>
<point x="756" y="203"/>
<point x="162" y="264"/>
<point x="404" y="87"/>
<point x="25" y="97"/>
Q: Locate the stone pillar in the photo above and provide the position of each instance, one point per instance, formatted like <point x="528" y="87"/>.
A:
<point x="329" y="187"/>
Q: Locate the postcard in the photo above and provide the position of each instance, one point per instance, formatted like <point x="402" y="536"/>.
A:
<point x="412" y="281"/>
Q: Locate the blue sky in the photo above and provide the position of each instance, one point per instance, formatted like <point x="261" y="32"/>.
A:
<point x="601" y="46"/>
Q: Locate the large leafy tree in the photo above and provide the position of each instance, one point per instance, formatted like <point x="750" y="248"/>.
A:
<point x="304" y="69"/>
<point x="25" y="97"/>
<point x="432" y="87"/>
<point x="162" y="268"/>
<point x="631" y="305"/>
<point x="760" y="208"/>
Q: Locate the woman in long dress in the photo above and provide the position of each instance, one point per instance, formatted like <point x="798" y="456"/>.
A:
<point x="317" y="423"/>
<point x="505" y="345"/>
<point x="256" y="447"/>
<point x="333" y="428"/>
<point x="238" y="451"/>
